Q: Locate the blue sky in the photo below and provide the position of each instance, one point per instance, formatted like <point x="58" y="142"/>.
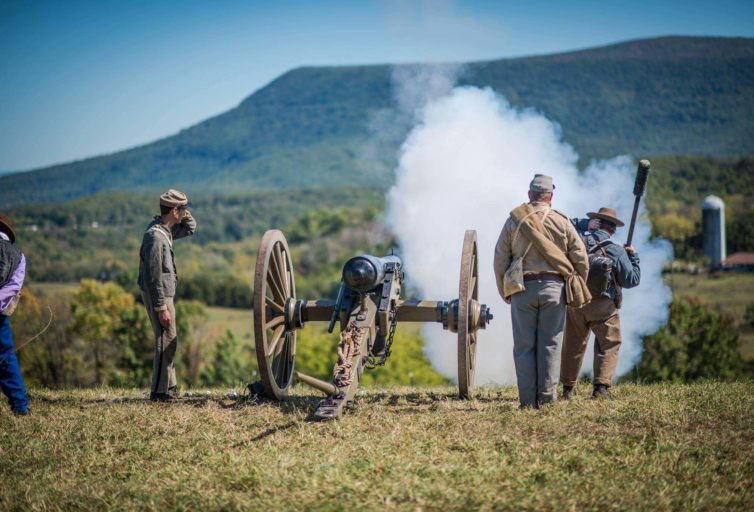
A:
<point x="81" y="78"/>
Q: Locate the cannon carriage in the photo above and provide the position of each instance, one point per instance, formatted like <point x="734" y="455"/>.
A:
<point x="367" y="310"/>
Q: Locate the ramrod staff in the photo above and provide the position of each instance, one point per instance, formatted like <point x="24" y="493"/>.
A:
<point x="640" y="185"/>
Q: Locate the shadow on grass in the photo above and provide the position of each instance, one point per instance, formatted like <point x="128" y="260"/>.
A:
<point x="395" y="401"/>
<point x="428" y="402"/>
<point x="292" y="405"/>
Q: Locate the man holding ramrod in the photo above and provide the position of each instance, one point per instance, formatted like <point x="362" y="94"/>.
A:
<point x="540" y="265"/>
<point x="601" y="315"/>
<point x="157" y="279"/>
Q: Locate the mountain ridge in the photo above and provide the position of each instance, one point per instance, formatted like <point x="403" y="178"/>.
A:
<point x="308" y="127"/>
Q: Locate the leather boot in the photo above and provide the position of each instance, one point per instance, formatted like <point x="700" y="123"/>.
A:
<point x="601" y="391"/>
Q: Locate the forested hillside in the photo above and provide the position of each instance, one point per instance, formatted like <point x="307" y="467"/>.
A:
<point x="311" y="126"/>
<point x="99" y="236"/>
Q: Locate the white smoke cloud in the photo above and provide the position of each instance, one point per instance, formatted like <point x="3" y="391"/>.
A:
<point x="468" y="162"/>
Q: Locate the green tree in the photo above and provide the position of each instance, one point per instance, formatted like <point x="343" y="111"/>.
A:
<point x="49" y="360"/>
<point x="226" y="368"/>
<point x="740" y="231"/>
<point x="675" y="228"/>
<point x="101" y="315"/>
<point x="696" y="343"/>
<point x="749" y="315"/>
<point x="135" y="340"/>
<point x="316" y="354"/>
<point x="192" y="329"/>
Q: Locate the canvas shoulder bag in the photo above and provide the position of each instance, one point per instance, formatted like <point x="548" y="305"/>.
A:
<point x="513" y="279"/>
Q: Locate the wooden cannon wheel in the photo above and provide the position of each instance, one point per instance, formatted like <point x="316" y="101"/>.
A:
<point x="273" y="287"/>
<point x="468" y="289"/>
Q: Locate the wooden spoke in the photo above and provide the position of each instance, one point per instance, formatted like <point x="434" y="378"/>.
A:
<point x="274" y="305"/>
<point x="281" y="268"/>
<point x="278" y="267"/>
<point x="278" y="320"/>
<point x="277" y="291"/>
<point x="274" y="286"/>
<point x="277" y="335"/>
<point x="283" y="345"/>
<point x="467" y="291"/>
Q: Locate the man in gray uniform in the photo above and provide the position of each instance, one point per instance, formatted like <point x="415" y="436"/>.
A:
<point x="157" y="281"/>
<point x="601" y="315"/>
<point x="538" y="312"/>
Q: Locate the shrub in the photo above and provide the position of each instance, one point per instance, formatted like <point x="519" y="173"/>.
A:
<point x="696" y="343"/>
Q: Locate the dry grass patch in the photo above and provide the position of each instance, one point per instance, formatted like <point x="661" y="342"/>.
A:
<point x="657" y="447"/>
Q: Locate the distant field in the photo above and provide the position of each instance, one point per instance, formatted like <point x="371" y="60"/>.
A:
<point x="238" y="321"/>
<point x="659" y="447"/>
<point x="726" y="292"/>
<point x="52" y="288"/>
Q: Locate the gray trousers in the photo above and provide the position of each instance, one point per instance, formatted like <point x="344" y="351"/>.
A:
<point x="538" y="315"/>
<point x="165" y="344"/>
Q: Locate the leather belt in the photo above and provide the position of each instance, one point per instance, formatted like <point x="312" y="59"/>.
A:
<point x="544" y="276"/>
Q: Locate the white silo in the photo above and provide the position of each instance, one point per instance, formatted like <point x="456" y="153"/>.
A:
<point x="713" y="229"/>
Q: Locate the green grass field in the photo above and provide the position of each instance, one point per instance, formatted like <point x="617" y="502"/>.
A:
<point x="52" y="288"/>
<point x="726" y="292"/>
<point x="238" y="321"/>
<point x="661" y="447"/>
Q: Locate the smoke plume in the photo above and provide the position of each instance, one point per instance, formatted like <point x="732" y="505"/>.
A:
<point x="466" y="164"/>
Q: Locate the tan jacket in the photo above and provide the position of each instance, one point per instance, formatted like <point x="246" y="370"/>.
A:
<point x="564" y="235"/>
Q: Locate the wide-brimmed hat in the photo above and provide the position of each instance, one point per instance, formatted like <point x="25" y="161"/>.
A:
<point x="173" y="198"/>
<point x="607" y="214"/>
<point x="6" y="226"/>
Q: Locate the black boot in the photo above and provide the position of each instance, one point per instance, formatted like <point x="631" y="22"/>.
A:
<point x="568" y="392"/>
<point x="162" y="397"/>
<point x="601" y="391"/>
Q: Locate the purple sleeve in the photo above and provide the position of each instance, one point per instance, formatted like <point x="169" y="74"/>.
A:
<point x="14" y="284"/>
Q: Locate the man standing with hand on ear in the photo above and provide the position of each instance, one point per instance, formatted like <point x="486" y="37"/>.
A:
<point x="157" y="281"/>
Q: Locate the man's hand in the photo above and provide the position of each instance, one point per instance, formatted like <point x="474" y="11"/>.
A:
<point x="594" y="225"/>
<point x="164" y="317"/>
<point x="629" y="249"/>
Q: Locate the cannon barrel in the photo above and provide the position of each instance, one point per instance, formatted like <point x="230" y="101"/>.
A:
<point x="368" y="308"/>
<point x="366" y="272"/>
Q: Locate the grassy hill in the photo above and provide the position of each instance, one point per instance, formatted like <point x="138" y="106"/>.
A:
<point x="660" y="447"/>
<point x="310" y="127"/>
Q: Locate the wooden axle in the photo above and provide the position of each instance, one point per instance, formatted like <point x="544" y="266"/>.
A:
<point x="408" y="310"/>
<point x="413" y="310"/>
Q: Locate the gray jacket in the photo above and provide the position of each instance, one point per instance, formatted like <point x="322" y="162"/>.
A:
<point x="157" y="273"/>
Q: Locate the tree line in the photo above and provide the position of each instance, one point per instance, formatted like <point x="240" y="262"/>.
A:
<point x="99" y="335"/>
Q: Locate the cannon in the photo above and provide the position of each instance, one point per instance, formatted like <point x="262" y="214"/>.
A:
<point x="367" y="310"/>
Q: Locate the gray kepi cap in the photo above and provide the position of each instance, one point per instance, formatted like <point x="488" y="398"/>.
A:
<point x="541" y="183"/>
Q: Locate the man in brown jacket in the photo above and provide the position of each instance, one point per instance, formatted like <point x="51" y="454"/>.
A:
<point x="158" y="279"/>
<point x="538" y="312"/>
<point x="602" y="315"/>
